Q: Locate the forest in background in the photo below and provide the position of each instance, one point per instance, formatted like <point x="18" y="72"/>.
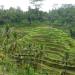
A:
<point x="63" y="17"/>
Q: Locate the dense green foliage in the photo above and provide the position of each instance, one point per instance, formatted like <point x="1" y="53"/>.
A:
<point x="17" y="16"/>
<point x="36" y="51"/>
<point x="61" y="16"/>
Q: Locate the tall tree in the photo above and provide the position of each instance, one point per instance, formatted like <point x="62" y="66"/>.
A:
<point x="36" y="3"/>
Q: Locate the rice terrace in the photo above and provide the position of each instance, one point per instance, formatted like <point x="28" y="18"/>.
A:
<point x="35" y="42"/>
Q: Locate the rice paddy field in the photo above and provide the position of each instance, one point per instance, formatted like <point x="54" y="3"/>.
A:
<point x="41" y="50"/>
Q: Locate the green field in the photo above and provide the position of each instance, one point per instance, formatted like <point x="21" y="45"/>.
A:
<point x="39" y="50"/>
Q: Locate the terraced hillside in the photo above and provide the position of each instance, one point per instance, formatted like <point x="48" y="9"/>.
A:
<point x="38" y="51"/>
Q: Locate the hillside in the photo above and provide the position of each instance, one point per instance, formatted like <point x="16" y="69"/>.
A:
<point x="36" y="51"/>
